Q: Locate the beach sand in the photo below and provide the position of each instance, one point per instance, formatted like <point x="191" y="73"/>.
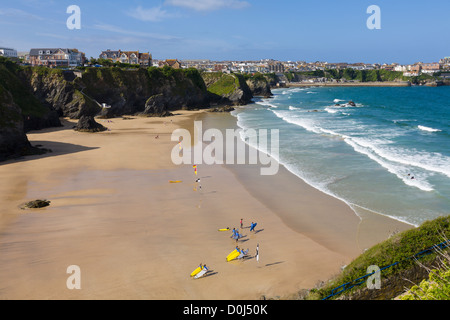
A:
<point x="134" y="235"/>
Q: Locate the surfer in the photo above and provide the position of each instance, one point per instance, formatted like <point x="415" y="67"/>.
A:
<point x="252" y="227"/>
<point x="242" y="221"/>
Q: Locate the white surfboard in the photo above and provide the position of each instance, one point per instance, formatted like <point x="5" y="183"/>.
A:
<point x="201" y="273"/>
<point x="243" y="254"/>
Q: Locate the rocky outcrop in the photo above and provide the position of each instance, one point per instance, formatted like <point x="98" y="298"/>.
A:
<point x="222" y="109"/>
<point x="227" y="89"/>
<point x="88" y="124"/>
<point x="13" y="140"/>
<point x="156" y="106"/>
<point x="259" y="87"/>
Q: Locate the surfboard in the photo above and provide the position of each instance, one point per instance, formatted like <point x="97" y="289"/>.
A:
<point x="226" y="229"/>
<point x="233" y="255"/>
<point x="243" y="254"/>
<point x="201" y="274"/>
<point x="175" y="181"/>
<point x="234" y="251"/>
<point x="196" y="271"/>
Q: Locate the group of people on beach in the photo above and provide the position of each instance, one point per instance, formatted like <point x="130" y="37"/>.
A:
<point x="236" y="235"/>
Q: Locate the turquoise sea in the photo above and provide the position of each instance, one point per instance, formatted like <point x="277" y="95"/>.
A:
<point x="390" y="153"/>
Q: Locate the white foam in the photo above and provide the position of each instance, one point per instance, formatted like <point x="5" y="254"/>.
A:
<point x="423" y="128"/>
<point x="307" y="124"/>
<point x="331" y="110"/>
<point x="337" y="100"/>
<point x="400" y="171"/>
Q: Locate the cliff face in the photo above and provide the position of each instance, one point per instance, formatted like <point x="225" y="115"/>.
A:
<point x="227" y="88"/>
<point x="259" y="86"/>
<point x="35" y="113"/>
<point x="19" y="111"/>
<point x="126" y="92"/>
<point x="13" y="140"/>
<point x="144" y="91"/>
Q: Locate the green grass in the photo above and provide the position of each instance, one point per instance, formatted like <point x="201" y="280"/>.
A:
<point x="224" y="85"/>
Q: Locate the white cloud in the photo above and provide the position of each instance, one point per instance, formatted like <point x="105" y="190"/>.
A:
<point x="152" y="14"/>
<point x="18" y="14"/>
<point x="208" y="5"/>
<point x="115" y="29"/>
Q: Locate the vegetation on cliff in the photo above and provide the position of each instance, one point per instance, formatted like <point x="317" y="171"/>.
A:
<point x="435" y="287"/>
<point x="349" y="74"/>
<point x="398" y="248"/>
<point x="21" y="95"/>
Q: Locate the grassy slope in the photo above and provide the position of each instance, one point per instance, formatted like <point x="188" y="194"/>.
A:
<point x="397" y="248"/>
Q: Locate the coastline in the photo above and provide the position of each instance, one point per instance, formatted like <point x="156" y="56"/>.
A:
<point x="135" y="236"/>
<point x="351" y="84"/>
<point x="328" y="220"/>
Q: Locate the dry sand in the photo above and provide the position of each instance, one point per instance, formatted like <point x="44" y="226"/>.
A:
<point x="134" y="235"/>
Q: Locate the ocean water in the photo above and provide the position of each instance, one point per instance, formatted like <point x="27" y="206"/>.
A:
<point x="390" y="153"/>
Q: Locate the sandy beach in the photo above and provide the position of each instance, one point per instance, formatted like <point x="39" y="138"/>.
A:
<point x="134" y="235"/>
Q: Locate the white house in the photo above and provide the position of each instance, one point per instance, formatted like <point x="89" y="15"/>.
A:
<point x="8" y="52"/>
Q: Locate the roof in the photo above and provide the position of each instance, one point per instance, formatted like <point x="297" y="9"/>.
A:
<point x="35" y="51"/>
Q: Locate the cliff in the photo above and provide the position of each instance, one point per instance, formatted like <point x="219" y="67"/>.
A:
<point x="13" y="141"/>
<point x="19" y="111"/>
<point x="235" y="89"/>
<point x="125" y="91"/>
<point x="223" y="88"/>
<point x="35" y="97"/>
<point x="259" y="85"/>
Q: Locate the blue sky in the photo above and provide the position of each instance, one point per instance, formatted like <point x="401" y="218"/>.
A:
<point x="322" y="30"/>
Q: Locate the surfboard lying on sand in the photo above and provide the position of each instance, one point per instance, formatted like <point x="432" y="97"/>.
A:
<point x="196" y="271"/>
<point x="225" y="229"/>
<point x="173" y="181"/>
<point x="201" y="273"/>
<point x="233" y="255"/>
<point x="243" y="254"/>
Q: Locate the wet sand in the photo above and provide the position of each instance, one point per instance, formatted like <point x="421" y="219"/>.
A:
<point x="134" y="235"/>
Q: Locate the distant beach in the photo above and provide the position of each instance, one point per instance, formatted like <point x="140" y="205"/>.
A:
<point x="134" y="235"/>
<point x="350" y="84"/>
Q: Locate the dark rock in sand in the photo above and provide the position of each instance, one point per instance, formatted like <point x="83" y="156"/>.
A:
<point x="222" y="109"/>
<point x="35" y="204"/>
<point x="88" y="124"/>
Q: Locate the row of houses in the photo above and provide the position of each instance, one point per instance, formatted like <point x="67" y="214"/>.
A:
<point x="130" y="57"/>
<point x="65" y="57"/>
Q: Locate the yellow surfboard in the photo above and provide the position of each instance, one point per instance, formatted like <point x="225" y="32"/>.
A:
<point x="175" y="181"/>
<point x="196" y="271"/>
<point x="233" y="255"/>
<point x="226" y="229"/>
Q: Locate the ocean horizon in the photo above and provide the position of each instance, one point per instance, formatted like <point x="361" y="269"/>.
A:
<point x="387" y="151"/>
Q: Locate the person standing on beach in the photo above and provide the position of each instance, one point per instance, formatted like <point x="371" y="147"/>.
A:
<point x="242" y="221"/>
<point x="257" y="252"/>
